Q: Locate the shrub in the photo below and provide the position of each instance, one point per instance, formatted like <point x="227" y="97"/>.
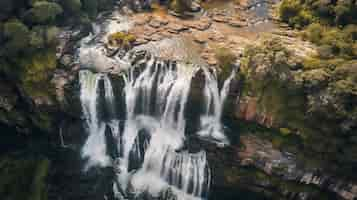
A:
<point x="16" y="36"/>
<point x="90" y="7"/>
<point x="51" y="35"/>
<point x="344" y="11"/>
<point x="121" y="39"/>
<point x="72" y="6"/>
<point x="43" y="12"/>
<point x="36" y="38"/>
<point x="180" y="6"/>
<point x="289" y="9"/>
<point x="302" y="19"/>
<point x="322" y="8"/>
<point x="225" y="58"/>
<point x="325" y="51"/>
<point x="314" y="32"/>
<point x="104" y="4"/>
<point x="300" y="12"/>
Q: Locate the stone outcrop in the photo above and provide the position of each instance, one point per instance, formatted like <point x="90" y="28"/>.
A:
<point x="261" y="154"/>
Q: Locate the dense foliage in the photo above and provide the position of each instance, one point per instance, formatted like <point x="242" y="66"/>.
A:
<point x="315" y="99"/>
<point x="300" y="13"/>
<point x="28" y="35"/>
<point x="328" y="79"/>
<point x="332" y="25"/>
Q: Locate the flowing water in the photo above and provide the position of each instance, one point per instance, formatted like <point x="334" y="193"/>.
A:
<point x="144" y="138"/>
<point x="151" y="152"/>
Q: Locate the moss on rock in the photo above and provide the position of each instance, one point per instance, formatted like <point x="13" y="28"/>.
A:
<point x="121" y="39"/>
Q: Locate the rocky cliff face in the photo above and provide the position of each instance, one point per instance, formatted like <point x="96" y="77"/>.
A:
<point x="38" y="99"/>
<point x="308" y="129"/>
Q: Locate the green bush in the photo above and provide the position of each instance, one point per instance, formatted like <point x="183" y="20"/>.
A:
<point x="302" y="19"/>
<point x="314" y="32"/>
<point x="289" y="9"/>
<point x="345" y="11"/>
<point x="51" y="35"/>
<point x="225" y="58"/>
<point x="180" y="6"/>
<point x="71" y="6"/>
<point x="325" y="51"/>
<point x="23" y="178"/>
<point x="90" y="7"/>
<point x="333" y="41"/>
<point x="104" y="4"/>
<point x="16" y="36"/>
<point x="43" y="12"/>
<point x="299" y="13"/>
<point x="36" y="38"/>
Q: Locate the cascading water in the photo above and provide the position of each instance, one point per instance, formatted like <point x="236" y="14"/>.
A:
<point x="211" y="126"/>
<point x="151" y="153"/>
<point x="94" y="149"/>
<point x="155" y="103"/>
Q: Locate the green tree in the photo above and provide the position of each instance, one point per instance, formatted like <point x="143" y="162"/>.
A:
<point x="344" y="11"/>
<point x="322" y="7"/>
<point x="314" y="32"/>
<point x="104" y="4"/>
<point x="43" y="12"/>
<point x="16" y="36"/>
<point x="51" y="35"/>
<point x="36" y="38"/>
<point x="289" y="9"/>
<point x="72" y="6"/>
<point x="90" y="7"/>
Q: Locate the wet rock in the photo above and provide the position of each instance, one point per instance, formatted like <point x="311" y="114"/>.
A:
<point x="142" y="19"/>
<point x="201" y="37"/>
<point x="140" y="41"/>
<point x="8" y="97"/>
<point x="221" y="19"/>
<point x="66" y="60"/>
<point x="158" y="22"/>
<point x="237" y="23"/>
<point x="200" y="25"/>
<point x="261" y="154"/>
<point x="176" y="27"/>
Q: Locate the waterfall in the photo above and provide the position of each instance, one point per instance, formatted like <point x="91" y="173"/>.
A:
<point x="211" y="127"/>
<point x="149" y="144"/>
<point x="95" y="147"/>
<point x="155" y="103"/>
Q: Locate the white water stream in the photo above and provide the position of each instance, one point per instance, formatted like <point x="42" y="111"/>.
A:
<point x="152" y="156"/>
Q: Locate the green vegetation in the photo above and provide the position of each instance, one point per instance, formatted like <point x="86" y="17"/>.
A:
<point x="333" y="41"/>
<point x="299" y="13"/>
<point x="329" y="79"/>
<point x="247" y="177"/>
<point x="313" y="100"/>
<point x="23" y="178"/>
<point x="332" y="25"/>
<point x="226" y="60"/>
<point x="120" y="39"/>
<point x="225" y="57"/>
<point x="43" y="12"/>
<point x="180" y="6"/>
<point x="28" y="37"/>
